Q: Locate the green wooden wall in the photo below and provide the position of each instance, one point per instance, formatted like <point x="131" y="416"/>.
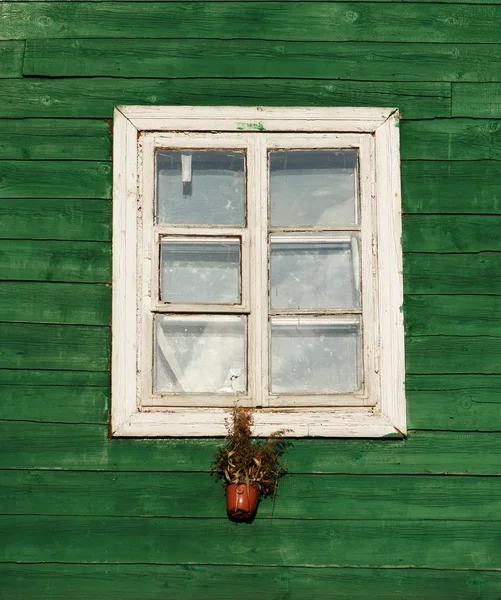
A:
<point x="86" y="517"/>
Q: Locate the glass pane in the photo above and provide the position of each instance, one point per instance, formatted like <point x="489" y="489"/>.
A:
<point x="314" y="270"/>
<point x="200" y="270"/>
<point x="315" y="355"/>
<point x="203" y="187"/>
<point x="196" y="354"/>
<point x="313" y="187"/>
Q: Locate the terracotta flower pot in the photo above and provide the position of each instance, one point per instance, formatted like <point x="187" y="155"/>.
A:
<point x="241" y="500"/>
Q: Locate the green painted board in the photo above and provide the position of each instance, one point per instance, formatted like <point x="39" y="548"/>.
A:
<point x="190" y="495"/>
<point x="11" y="59"/>
<point x="192" y="582"/>
<point x="451" y="139"/>
<point x="96" y="97"/>
<point x="458" y="402"/>
<point x="452" y="315"/>
<point x="319" y="21"/>
<point x="63" y="446"/>
<point x="54" y="139"/>
<point x="188" y="58"/>
<point x="71" y="347"/>
<point x="42" y="378"/>
<point x="288" y="542"/>
<point x="55" y="179"/>
<point x="451" y="233"/>
<point x="456" y="274"/>
<point x="63" y="303"/>
<point x="481" y="100"/>
<point x="59" y="261"/>
<point x="55" y="219"/>
<point x="451" y="186"/>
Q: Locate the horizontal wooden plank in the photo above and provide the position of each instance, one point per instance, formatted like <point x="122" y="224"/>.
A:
<point x="47" y="260"/>
<point x="481" y="100"/>
<point x="459" y="402"/>
<point x="186" y="58"/>
<point x="452" y="354"/>
<point x="451" y="233"/>
<point x="11" y="59"/>
<point x="198" y="495"/>
<point x="289" y="542"/>
<point x="55" y="219"/>
<point x="63" y="303"/>
<point x="450" y="139"/>
<point x="96" y="97"/>
<point x="192" y="582"/>
<point x="456" y="274"/>
<point x="451" y="186"/>
<point x="319" y="21"/>
<point x="54" y="139"/>
<point x="55" y="179"/>
<point x="452" y="315"/>
<point x="62" y="446"/>
<point x="65" y="347"/>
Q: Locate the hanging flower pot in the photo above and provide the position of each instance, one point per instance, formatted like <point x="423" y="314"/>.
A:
<point x="241" y="500"/>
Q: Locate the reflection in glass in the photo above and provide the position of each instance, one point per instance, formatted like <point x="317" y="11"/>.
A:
<point x="315" y="355"/>
<point x="313" y="187"/>
<point x="200" y="270"/>
<point x="200" y="354"/>
<point x="314" y="270"/>
<point x="202" y="187"/>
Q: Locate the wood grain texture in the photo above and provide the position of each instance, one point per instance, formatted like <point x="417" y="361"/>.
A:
<point x="458" y="402"/>
<point x="87" y="447"/>
<point x="71" y="347"/>
<point x="11" y="59"/>
<point x="60" y="261"/>
<point x="96" y="97"/>
<point x="481" y="100"/>
<point x="451" y="187"/>
<point x="55" y="219"/>
<point x="63" y="303"/>
<point x="288" y="542"/>
<point x="198" y="495"/>
<point x="451" y="233"/>
<point x="191" y="582"/>
<point x="54" y="179"/>
<point x="453" y="274"/>
<point x="54" y="139"/>
<point x="183" y="58"/>
<point x="451" y="139"/>
<point x="319" y="21"/>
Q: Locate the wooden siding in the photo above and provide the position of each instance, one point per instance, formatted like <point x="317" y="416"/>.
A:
<point x="85" y="516"/>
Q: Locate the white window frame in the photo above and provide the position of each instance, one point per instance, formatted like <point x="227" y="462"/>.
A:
<point x="138" y="130"/>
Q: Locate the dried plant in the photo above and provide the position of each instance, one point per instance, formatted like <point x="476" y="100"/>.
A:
<point x="244" y="459"/>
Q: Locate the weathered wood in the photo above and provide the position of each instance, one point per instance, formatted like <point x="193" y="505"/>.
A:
<point x="27" y="260"/>
<point x="62" y="446"/>
<point x="456" y="274"/>
<point x="96" y="97"/>
<point x="55" y="179"/>
<point x="192" y="582"/>
<point x="476" y="100"/>
<point x="450" y="139"/>
<point x="198" y="495"/>
<point x="182" y="58"/>
<point x="459" y="402"/>
<point x="288" y="542"/>
<point x="42" y="378"/>
<point x="451" y="233"/>
<point x="66" y="304"/>
<point x="318" y="21"/>
<point x="71" y="347"/>
<point x="54" y="139"/>
<point x="43" y="218"/>
<point x="451" y="187"/>
<point x="11" y="59"/>
<point x="452" y="315"/>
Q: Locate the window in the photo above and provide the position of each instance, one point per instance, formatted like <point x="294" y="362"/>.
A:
<point x="256" y="259"/>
